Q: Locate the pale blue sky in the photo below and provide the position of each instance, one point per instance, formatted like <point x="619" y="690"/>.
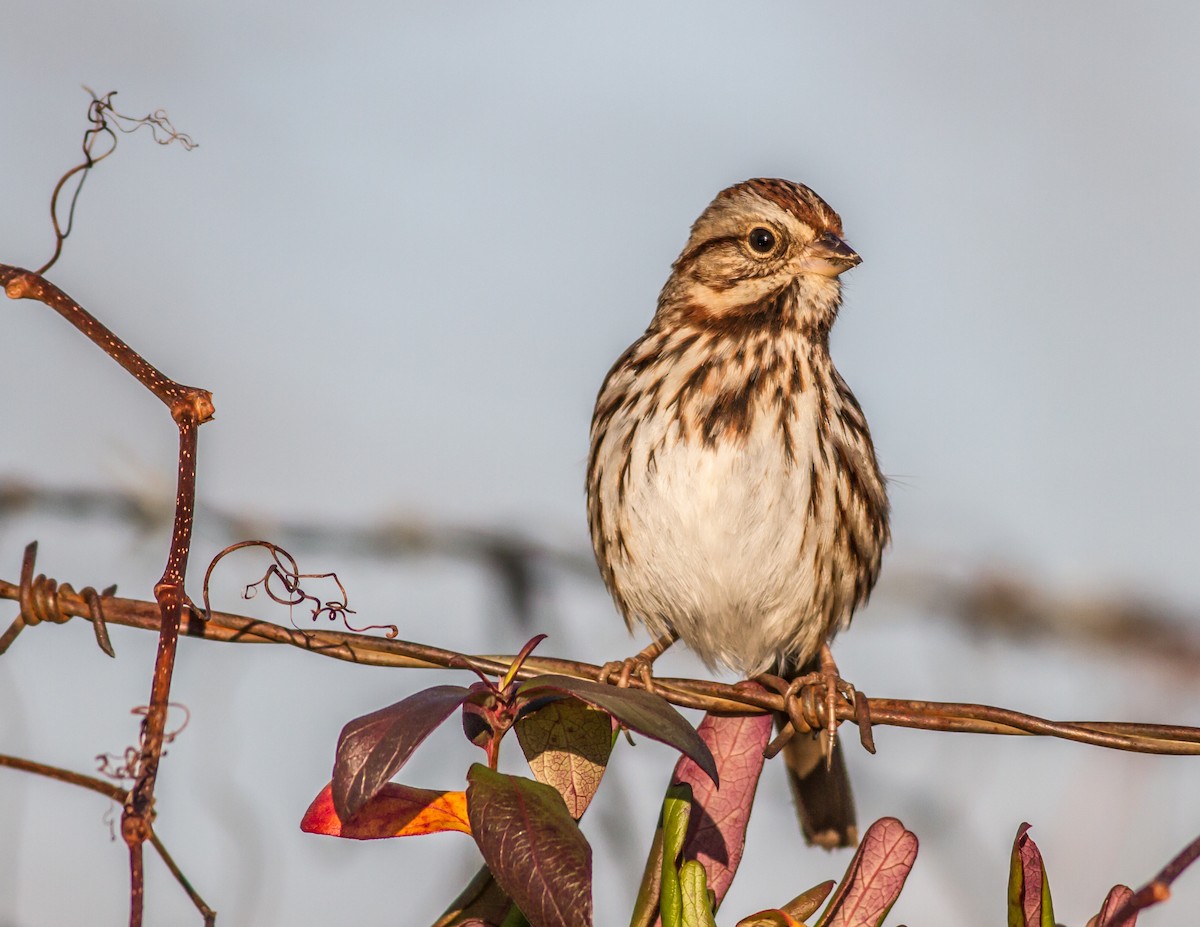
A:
<point x="411" y="242"/>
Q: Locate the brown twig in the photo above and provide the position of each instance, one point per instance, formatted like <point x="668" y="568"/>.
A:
<point x="118" y="795"/>
<point x="190" y="407"/>
<point x="1157" y="889"/>
<point x="690" y="693"/>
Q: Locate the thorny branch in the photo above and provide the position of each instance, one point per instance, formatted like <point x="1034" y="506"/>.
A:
<point x="689" y="693"/>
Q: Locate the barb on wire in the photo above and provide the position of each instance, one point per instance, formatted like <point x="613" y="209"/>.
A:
<point x="39" y="598"/>
<point x="105" y="123"/>
<point x="688" y="693"/>
<point x="284" y="572"/>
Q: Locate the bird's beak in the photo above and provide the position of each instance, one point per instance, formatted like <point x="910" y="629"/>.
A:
<point x="828" y="256"/>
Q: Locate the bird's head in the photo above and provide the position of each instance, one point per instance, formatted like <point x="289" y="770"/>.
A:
<point x="755" y="241"/>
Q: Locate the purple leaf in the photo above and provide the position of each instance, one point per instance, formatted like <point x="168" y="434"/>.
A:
<point x="533" y="847"/>
<point x="640" y="711"/>
<point x="1117" y="896"/>
<point x="717" y="829"/>
<point x="371" y="749"/>
<point x="874" y="877"/>
<point x="1028" y="888"/>
<point x="481" y="904"/>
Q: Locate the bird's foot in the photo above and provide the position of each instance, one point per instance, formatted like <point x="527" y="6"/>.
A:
<point x="811" y="702"/>
<point x="638" y="666"/>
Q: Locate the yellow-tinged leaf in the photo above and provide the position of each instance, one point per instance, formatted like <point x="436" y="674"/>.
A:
<point x="693" y="884"/>
<point x="395" y="811"/>
<point x="772" y="918"/>
<point x="806" y="904"/>
<point x="567" y="744"/>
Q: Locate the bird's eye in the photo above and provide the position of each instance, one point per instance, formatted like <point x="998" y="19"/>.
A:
<point x="761" y="240"/>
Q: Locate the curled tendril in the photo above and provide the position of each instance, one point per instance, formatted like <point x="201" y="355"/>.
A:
<point x="281" y="582"/>
<point x="105" y="122"/>
<point x="126" y="765"/>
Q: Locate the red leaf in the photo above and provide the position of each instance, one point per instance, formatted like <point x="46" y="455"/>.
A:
<point x="874" y="877"/>
<point x="533" y="847"/>
<point x="1029" y="903"/>
<point x="1117" y="896"/>
<point x="371" y="749"/>
<point x="396" y="811"/>
<point x="640" y="711"/>
<point x="716" y="834"/>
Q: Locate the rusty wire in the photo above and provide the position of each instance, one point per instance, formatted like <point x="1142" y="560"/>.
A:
<point x="690" y="693"/>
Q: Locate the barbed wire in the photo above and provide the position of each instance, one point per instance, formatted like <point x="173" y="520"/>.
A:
<point x="690" y="693"/>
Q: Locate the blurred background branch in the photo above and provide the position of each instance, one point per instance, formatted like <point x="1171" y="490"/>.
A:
<point x="986" y="600"/>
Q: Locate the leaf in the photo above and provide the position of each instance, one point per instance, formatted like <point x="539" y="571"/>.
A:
<point x="771" y="918"/>
<point x="717" y="831"/>
<point x="395" y="811"/>
<point x="645" y="907"/>
<point x="794" y="913"/>
<point x="676" y="811"/>
<point x="567" y="744"/>
<point x="874" y="877"/>
<point x="1028" y="888"/>
<point x="640" y="711"/>
<point x="697" y="910"/>
<point x="482" y="902"/>
<point x="1117" y="896"/>
<point x="371" y="749"/>
<point x="533" y="847"/>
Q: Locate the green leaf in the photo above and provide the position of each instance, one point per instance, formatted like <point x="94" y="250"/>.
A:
<point x="371" y="749"/>
<point x="693" y="883"/>
<point x="533" y="847"/>
<point x="717" y="831"/>
<point x="567" y="744"/>
<point x="677" y="808"/>
<point x="640" y="711"/>
<point x="646" y="908"/>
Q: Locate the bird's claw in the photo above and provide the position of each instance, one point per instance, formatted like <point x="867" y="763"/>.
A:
<point x="624" y="670"/>
<point x="811" y="703"/>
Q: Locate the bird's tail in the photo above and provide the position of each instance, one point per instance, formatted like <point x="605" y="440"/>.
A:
<point x="824" y="799"/>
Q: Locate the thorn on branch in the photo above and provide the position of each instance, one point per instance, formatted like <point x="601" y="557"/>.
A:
<point x="282" y="583"/>
<point x="105" y="122"/>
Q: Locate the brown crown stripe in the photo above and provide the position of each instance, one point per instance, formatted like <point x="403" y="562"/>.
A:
<point x="797" y="199"/>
